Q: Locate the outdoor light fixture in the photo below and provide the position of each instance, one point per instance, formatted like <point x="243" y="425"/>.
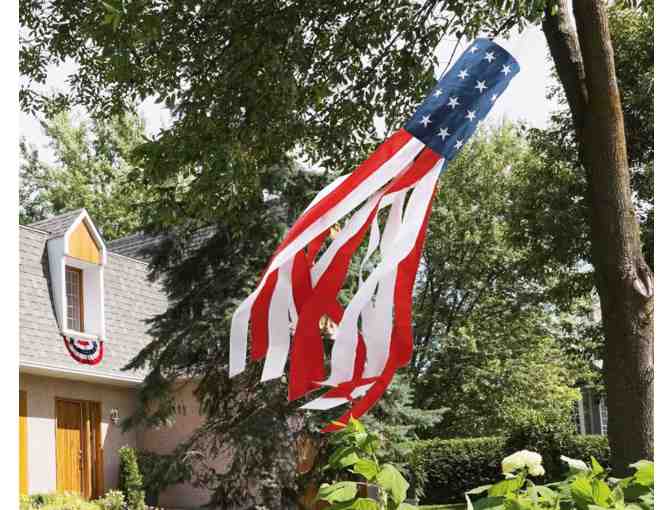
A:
<point x="114" y="416"/>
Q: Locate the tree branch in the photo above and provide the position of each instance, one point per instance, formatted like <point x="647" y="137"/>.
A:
<point x="563" y="43"/>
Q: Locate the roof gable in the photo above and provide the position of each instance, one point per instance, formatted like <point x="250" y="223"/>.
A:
<point x="57" y="226"/>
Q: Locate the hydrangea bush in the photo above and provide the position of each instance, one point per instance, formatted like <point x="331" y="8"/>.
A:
<point x="585" y="487"/>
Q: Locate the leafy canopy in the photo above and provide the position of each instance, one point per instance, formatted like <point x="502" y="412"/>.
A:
<point x="94" y="169"/>
<point x="499" y="334"/>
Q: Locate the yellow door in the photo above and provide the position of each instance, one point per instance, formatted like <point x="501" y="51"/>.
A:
<point x="69" y="446"/>
<point x="23" y="442"/>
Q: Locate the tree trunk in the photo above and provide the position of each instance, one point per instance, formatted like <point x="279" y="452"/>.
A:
<point x="585" y="64"/>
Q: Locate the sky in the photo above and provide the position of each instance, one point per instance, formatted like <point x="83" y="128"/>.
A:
<point x="525" y="99"/>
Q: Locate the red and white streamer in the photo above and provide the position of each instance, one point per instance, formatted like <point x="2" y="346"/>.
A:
<point x="298" y="289"/>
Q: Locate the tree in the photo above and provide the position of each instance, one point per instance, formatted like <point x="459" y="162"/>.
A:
<point x="253" y="82"/>
<point x="93" y="169"/>
<point x="561" y="232"/>
<point x="585" y="64"/>
<point x="497" y="335"/>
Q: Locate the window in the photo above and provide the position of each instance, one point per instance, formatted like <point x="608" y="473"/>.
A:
<point x="576" y="416"/>
<point x="603" y="416"/>
<point x="74" y="295"/>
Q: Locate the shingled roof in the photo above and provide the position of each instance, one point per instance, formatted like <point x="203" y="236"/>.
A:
<point x="57" y="225"/>
<point x="138" y="245"/>
<point x="130" y="299"/>
<point x="135" y="245"/>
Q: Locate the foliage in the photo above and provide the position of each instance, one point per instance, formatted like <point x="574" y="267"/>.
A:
<point x="355" y="451"/>
<point x="552" y="439"/>
<point x="113" y="500"/>
<point x="207" y="265"/>
<point x="499" y="334"/>
<point x="585" y="488"/>
<point x="130" y="479"/>
<point x="93" y="169"/>
<point x="442" y="470"/>
<point x="245" y="93"/>
<point x="551" y="209"/>
<point x="268" y="74"/>
<point x="396" y="419"/>
<point x="161" y="471"/>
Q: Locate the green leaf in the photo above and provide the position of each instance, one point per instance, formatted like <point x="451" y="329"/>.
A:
<point x="356" y="425"/>
<point x="644" y="472"/>
<point x="343" y="505"/>
<point x="488" y="503"/>
<point x="365" y="504"/>
<point x="601" y="492"/>
<point x="367" y="468"/>
<point x="617" y="496"/>
<point x="390" y="479"/>
<point x="634" y="491"/>
<point x="506" y="486"/>
<point x="647" y="500"/>
<point x="337" y="492"/>
<point x="546" y="494"/>
<point x="343" y="457"/>
<point x="406" y="506"/>
<point x="582" y="493"/>
<point x="477" y="490"/>
<point x="597" y="469"/>
<point x="110" y="8"/>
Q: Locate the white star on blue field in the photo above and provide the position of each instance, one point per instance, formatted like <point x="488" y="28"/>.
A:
<point x="463" y="97"/>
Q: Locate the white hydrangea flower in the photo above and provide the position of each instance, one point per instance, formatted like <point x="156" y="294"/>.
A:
<point x="575" y="464"/>
<point x="536" y="470"/>
<point x="512" y="463"/>
<point x="523" y="459"/>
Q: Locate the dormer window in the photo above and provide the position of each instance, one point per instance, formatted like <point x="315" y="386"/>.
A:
<point x="74" y="293"/>
<point x="77" y="258"/>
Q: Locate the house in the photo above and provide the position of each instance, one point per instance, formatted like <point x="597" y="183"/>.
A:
<point x="590" y="412"/>
<point x="84" y="304"/>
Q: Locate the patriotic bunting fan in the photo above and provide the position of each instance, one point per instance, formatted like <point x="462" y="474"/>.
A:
<point x="85" y="351"/>
<point x="373" y="335"/>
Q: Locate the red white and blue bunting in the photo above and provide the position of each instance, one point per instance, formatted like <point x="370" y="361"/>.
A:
<point x="87" y="352"/>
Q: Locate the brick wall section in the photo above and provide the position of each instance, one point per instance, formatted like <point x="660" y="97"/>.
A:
<point x="130" y="299"/>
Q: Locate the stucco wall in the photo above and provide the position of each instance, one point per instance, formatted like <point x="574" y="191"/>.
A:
<point x="41" y="394"/>
<point x="163" y="440"/>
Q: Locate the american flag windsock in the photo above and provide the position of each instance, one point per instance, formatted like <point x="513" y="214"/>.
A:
<point x="298" y="288"/>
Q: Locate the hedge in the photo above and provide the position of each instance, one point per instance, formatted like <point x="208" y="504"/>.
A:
<point x="442" y="470"/>
<point x="130" y="479"/>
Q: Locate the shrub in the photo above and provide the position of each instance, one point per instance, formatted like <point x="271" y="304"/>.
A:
<point x="24" y="502"/>
<point x="161" y="471"/>
<point x="113" y="500"/>
<point x="130" y="479"/>
<point x="56" y="501"/>
<point x="584" y="447"/>
<point x="583" y="488"/>
<point x="551" y="440"/>
<point x="442" y="470"/>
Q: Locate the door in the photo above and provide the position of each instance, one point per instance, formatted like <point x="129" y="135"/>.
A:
<point x="69" y="446"/>
<point x="23" y="442"/>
